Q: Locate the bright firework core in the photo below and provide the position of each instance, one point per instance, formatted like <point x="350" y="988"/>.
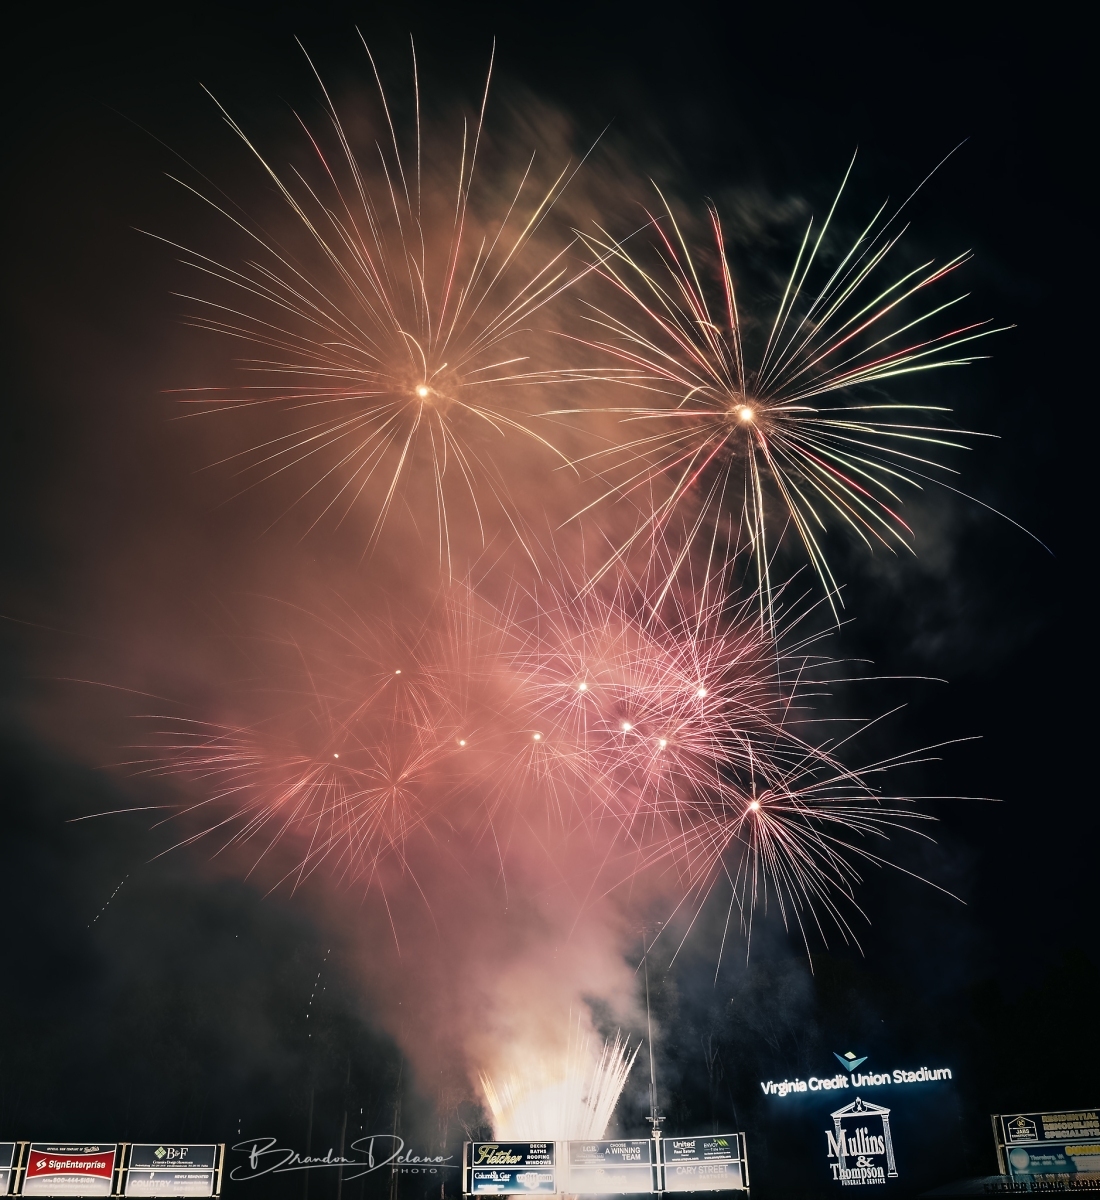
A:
<point x="568" y="1096"/>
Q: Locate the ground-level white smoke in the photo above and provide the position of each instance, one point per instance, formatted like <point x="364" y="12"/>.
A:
<point x="563" y="1097"/>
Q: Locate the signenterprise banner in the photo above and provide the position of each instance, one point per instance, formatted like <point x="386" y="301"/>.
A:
<point x="704" y="1164"/>
<point x="69" y="1170"/>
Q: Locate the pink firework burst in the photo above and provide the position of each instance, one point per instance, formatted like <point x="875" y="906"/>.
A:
<point x="345" y="757"/>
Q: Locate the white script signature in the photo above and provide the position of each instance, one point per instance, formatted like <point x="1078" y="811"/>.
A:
<point x="266" y="1157"/>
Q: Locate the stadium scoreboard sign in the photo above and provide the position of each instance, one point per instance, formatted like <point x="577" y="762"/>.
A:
<point x="606" y="1167"/>
<point x="1031" y="1145"/>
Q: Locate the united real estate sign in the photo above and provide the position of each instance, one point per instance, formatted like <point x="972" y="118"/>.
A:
<point x="704" y="1164"/>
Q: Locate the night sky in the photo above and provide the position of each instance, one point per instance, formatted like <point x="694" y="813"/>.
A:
<point x="146" y="997"/>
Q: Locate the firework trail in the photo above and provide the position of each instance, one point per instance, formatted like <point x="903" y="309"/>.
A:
<point x="568" y="1096"/>
<point x="392" y="349"/>
<point x="726" y="430"/>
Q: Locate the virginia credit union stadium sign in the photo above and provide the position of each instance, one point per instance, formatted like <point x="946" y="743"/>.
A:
<point x="861" y="1126"/>
<point x="862" y="1079"/>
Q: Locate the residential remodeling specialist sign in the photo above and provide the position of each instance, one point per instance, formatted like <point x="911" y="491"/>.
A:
<point x="70" y="1169"/>
<point x="509" y="1168"/>
<point x="1049" y="1144"/>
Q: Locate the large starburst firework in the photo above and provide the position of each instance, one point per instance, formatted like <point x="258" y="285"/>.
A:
<point x="388" y="326"/>
<point x="725" y="431"/>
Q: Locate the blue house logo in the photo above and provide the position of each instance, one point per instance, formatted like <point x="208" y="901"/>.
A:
<point x="848" y="1060"/>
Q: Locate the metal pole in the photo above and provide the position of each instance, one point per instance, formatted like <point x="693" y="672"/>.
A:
<point x="309" y="1145"/>
<point x="343" y="1135"/>
<point x="649" y="1033"/>
<point x="654" y="1117"/>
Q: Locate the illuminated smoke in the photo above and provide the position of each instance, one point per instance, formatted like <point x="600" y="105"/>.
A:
<point x="570" y="1096"/>
<point x="594" y="721"/>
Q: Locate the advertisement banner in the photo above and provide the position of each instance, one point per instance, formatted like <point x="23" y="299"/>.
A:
<point x="69" y="1169"/>
<point x="854" y="1120"/>
<point x="7" y="1162"/>
<point x="703" y="1164"/>
<point x="171" y="1170"/>
<point x="861" y="1147"/>
<point x="1054" y="1158"/>
<point x="1058" y="1143"/>
<point x="511" y="1181"/>
<point x="511" y="1169"/>
<point x="609" y="1168"/>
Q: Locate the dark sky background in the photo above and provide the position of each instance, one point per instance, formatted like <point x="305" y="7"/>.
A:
<point x="160" y="999"/>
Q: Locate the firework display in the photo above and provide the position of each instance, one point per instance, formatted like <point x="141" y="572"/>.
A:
<point x="730" y="425"/>
<point x="609" y="675"/>
<point x="389" y="362"/>
<point x="348" y="759"/>
<point x="570" y="1096"/>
